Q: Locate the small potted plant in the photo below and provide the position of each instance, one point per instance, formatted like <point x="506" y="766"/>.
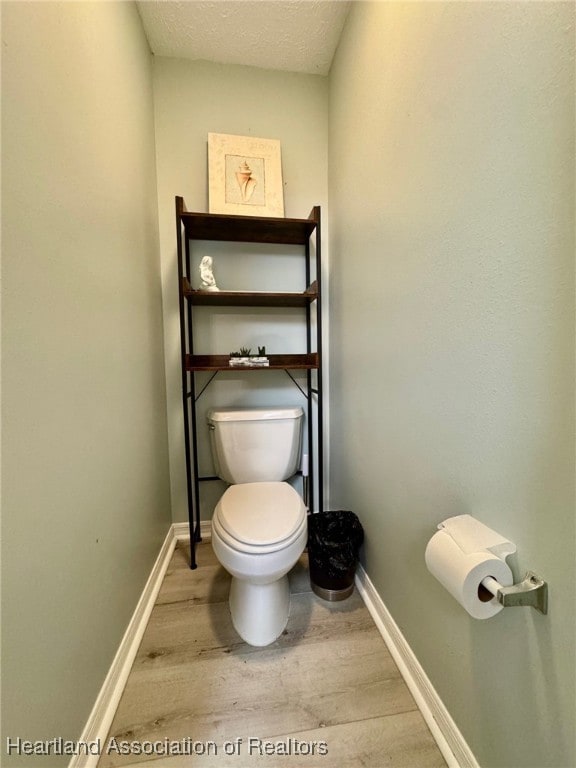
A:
<point x="245" y="358"/>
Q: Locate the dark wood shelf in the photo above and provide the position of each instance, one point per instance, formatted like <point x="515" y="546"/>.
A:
<point x="247" y="229"/>
<point x="247" y="298"/>
<point x="277" y="362"/>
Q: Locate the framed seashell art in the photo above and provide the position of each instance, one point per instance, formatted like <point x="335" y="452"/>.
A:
<point x="244" y="176"/>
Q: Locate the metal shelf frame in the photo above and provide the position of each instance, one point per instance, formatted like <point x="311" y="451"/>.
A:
<point x="205" y="226"/>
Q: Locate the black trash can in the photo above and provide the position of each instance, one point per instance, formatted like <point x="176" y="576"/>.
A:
<point x="334" y="540"/>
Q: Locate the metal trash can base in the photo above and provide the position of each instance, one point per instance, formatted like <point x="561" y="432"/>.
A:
<point x="332" y="595"/>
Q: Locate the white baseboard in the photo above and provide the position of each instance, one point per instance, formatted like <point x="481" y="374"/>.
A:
<point x="106" y="704"/>
<point x="182" y="530"/>
<point x="450" y="741"/>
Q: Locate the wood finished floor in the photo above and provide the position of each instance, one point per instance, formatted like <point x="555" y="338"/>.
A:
<point x="329" y="678"/>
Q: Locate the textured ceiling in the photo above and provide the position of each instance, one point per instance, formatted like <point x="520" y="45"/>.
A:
<point x="293" y="35"/>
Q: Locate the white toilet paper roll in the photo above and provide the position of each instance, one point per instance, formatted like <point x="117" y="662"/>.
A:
<point x="461" y="573"/>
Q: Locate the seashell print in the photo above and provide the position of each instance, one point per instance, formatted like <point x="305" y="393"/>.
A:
<point x="246" y="181"/>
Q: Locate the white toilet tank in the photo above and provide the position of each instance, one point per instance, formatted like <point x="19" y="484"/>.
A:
<point x="251" y="445"/>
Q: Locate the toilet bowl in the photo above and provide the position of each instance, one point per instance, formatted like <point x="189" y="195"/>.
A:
<point x="259" y="531"/>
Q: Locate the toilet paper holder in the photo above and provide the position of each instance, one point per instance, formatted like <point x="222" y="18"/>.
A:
<point x="532" y="591"/>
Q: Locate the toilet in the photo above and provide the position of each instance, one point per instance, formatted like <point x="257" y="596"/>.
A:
<point x="259" y="526"/>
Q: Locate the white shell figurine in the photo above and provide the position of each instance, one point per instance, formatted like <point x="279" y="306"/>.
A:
<point x="208" y="283"/>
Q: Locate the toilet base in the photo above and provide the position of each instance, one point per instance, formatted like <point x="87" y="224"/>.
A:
<point x="259" y="611"/>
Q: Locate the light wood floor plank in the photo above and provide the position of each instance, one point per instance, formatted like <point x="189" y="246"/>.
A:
<point x="396" y="741"/>
<point x="267" y="692"/>
<point x="200" y="630"/>
<point x="331" y="672"/>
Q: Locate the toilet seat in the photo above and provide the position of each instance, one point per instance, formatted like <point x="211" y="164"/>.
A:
<point x="259" y="518"/>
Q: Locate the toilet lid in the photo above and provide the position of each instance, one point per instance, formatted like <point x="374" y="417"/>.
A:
<point x="261" y="514"/>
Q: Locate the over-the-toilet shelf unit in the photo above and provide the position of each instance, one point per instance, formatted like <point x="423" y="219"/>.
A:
<point x="249" y="229"/>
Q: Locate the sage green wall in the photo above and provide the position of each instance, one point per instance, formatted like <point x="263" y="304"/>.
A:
<point x="85" y="474"/>
<point x="192" y="99"/>
<point x="452" y="219"/>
